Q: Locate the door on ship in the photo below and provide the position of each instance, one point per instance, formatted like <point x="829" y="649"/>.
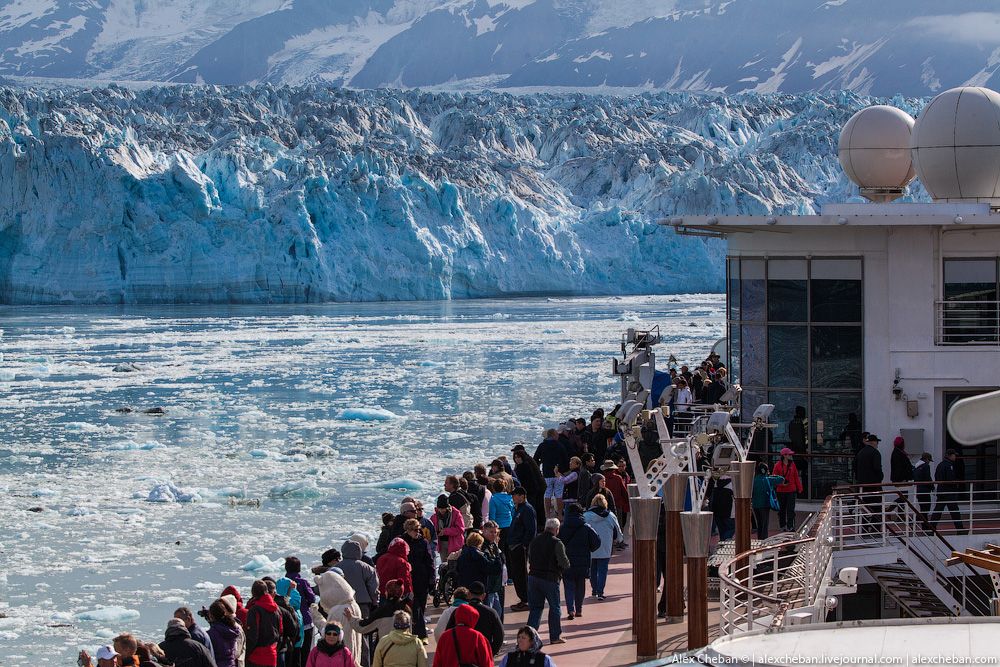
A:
<point x="975" y="462"/>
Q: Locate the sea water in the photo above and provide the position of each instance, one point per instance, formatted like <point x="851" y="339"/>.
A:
<point x="137" y="444"/>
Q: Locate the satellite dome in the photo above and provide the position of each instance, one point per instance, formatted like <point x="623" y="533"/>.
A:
<point x="956" y="146"/>
<point x="874" y="151"/>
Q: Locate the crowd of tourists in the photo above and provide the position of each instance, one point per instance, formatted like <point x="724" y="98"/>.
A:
<point x="548" y="522"/>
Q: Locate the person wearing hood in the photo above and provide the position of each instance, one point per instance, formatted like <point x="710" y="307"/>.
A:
<point x="422" y="573"/>
<point x="463" y="645"/>
<point x="293" y="570"/>
<point x="180" y="649"/>
<point x="605" y="524"/>
<point x="400" y="648"/>
<point x="360" y="575"/>
<point x="788" y="490"/>
<point x="336" y="596"/>
<point x="450" y="527"/>
<point x="581" y="541"/>
<point x="380" y="620"/>
<point x="331" y="651"/>
<point x="225" y="633"/>
<point x="239" y="610"/>
<point x="288" y="590"/>
<point x="395" y="564"/>
<point x="528" y="652"/>
<point x="263" y="628"/>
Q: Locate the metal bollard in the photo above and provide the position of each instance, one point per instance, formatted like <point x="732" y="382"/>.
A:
<point x="697" y="527"/>
<point x="645" y="522"/>
<point x="673" y="503"/>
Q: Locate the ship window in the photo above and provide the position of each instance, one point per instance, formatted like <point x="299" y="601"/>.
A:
<point x="752" y="290"/>
<point x="970" y="279"/>
<point x="836" y="357"/>
<point x="788" y="356"/>
<point x="836" y="290"/>
<point x="787" y="293"/>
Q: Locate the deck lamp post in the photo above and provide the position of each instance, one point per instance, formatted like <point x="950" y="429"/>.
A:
<point x="633" y="495"/>
<point x="645" y="524"/>
<point x="743" y="492"/>
<point x="673" y="502"/>
<point x="697" y="527"/>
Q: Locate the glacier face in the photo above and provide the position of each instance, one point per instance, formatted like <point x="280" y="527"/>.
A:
<point x="913" y="47"/>
<point x="298" y="194"/>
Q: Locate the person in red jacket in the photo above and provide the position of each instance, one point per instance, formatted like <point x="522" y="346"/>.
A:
<point x="463" y="644"/>
<point x="263" y="628"/>
<point x="615" y="480"/>
<point x="395" y="564"/>
<point x="788" y="490"/>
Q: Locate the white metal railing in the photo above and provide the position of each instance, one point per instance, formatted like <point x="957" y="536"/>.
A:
<point x="758" y="588"/>
<point x="967" y="323"/>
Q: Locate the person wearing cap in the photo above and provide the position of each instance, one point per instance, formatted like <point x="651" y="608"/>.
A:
<point x="106" y="656"/>
<point x="868" y="470"/>
<point x="788" y="490"/>
<point x="549" y="456"/>
<point x="523" y="529"/>
<point x="331" y="651"/>
<point x="450" y="527"/>
<point x="180" y="649"/>
<point x="400" y="648"/>
<point x="489" y="623"/>
<point x="900" y="468"/>
<point x="948" y="492"/>
<point x="925" y="486"/>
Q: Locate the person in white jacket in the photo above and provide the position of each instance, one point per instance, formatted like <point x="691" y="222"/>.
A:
<point x="336" y="595"/>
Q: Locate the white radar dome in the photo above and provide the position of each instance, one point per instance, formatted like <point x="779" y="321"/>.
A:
<point x="956" y="146"/>
<point x="874" y="151"/>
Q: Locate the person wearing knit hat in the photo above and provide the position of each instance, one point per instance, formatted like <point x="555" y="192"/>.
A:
<point x="900" y="467"/>
<point x="331" y="650"/>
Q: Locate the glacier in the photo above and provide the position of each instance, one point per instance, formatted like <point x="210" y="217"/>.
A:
<point x="264" y="194"/>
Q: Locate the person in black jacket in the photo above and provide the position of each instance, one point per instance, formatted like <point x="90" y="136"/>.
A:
<point x="581" y="540"/>
<point x="489" y="623"/>
<point x="423" y="574"/>
<point x="900" y="468"/>
<point x="478" y="495"/>
<point x="547" y="561"/>
<point x="868" y="470"/>
<point x="474" y="565"/>
<point x="529" y="476"/>
<point x="551" y="455"/>
<point x="947" y="494"/>
<point x="263" y="628"/>
<point x="181" y="649"/>
<point x="922" y="476"/>
<point x="522" y="530"/>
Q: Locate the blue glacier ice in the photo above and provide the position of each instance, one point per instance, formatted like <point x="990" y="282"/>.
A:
<point x="301" y="194"/>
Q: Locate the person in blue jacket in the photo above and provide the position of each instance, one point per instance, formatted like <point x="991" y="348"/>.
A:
<point x="763" y="498"/>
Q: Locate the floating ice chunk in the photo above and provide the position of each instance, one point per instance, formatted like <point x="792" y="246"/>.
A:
<point x="552" y="331"/>
<point x="301" y="489"/>
<point x="135" y="446"/>
<point x="261" y="563"/>
<point x="393" y="484"/>
<point x="168" y="493"/>
<point x="262" y="453"/>
<point x="367" y="415"/>
<point x="126" y="368"/>
<point x="209" y="586"/>
<point x="7" y="375"/>
<point x="44" y="492"/>
<point x="546" y="409"/>
<point x="108" y="615"/>
<point x="80" y="511"/>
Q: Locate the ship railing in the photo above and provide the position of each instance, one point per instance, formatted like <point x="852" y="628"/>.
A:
<point x="967" y="323"/>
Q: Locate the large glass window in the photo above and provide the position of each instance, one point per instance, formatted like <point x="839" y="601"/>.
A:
<point x="970" y="313"/>
<point x="796" y="340"/>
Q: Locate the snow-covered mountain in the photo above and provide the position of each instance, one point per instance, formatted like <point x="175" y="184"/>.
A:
<point x="913" y="47"/>
<point x="264" y="194"/>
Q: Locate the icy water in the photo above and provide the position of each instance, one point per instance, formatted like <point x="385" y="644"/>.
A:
<point x="326" y="414"/>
